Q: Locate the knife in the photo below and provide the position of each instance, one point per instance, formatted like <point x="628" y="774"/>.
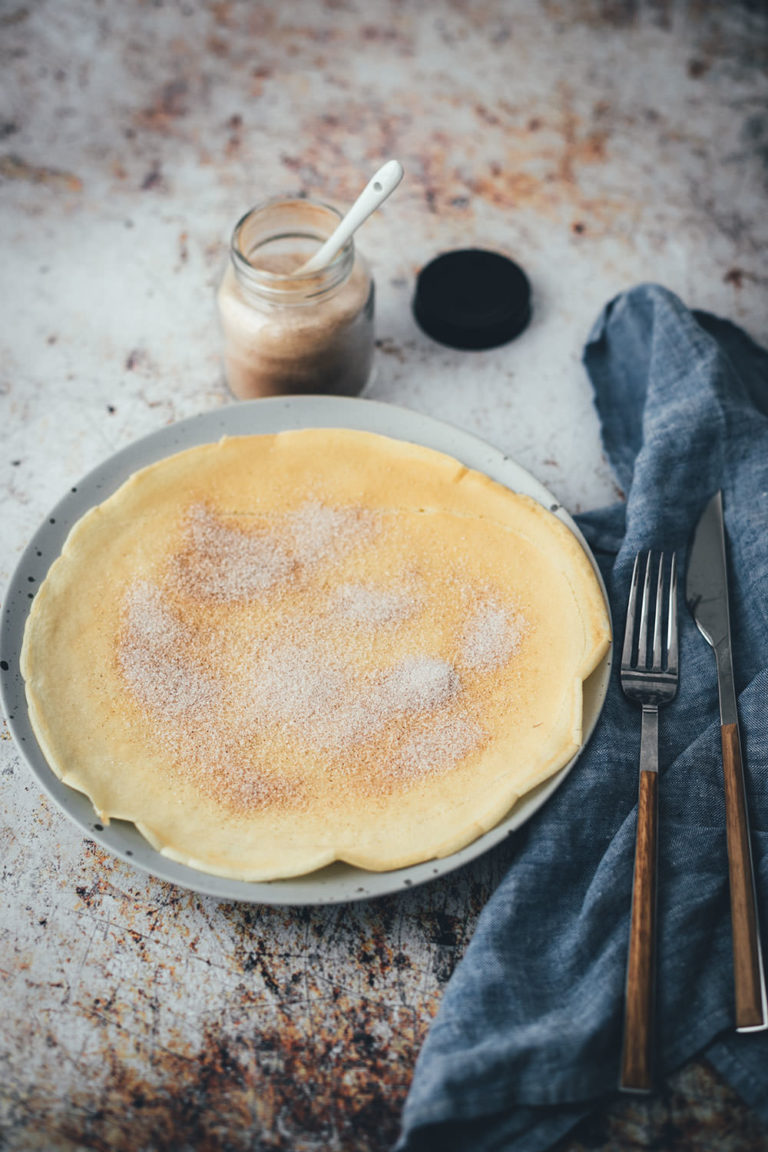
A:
<point x="706" y="594"/>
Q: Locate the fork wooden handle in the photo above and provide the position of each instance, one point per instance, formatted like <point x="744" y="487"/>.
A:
<point x="748" y="976"/>
<point x="636" y="1062"/>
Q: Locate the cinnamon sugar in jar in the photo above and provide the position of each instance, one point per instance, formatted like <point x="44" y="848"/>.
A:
<point x="289" y="332"/>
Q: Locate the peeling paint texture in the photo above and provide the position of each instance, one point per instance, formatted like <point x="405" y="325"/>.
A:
<point x="599" y="143"/>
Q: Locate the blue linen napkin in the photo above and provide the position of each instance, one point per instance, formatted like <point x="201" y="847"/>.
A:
<point x="527" y="1039"/>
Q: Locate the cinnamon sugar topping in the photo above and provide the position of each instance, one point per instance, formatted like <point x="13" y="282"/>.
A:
<point x="492" y="636"/>
<point x="330" y="670"/>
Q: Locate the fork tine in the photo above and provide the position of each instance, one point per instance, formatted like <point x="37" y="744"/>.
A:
<point x="672" y="619"/>
<point x="642" y="638"/>
<point x="629" y="628"/>
<point x="657" y="618"/>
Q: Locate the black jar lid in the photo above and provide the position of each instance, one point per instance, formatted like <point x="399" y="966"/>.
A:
<point x="472" y="298"/>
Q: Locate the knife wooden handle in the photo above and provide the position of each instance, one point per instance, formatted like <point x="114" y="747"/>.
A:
<point x="636" y="1057"/>
<point x="749" y="980"/>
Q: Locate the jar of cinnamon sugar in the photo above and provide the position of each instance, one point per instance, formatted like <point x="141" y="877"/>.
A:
<point x="287" y="331"/>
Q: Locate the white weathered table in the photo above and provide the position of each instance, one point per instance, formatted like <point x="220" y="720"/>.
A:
<point x="599" y="144"/>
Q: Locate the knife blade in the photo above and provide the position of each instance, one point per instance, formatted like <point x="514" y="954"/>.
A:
<point x="706" y="594"/>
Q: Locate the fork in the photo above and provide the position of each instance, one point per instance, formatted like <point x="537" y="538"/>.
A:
<point x="648" y="677"/>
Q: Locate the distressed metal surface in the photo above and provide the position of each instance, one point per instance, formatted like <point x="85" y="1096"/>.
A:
<point x="598" y="142"/>
<point x="692" y="1112"/>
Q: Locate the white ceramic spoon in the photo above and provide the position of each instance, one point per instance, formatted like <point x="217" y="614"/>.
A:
<point x="375" y="193"/>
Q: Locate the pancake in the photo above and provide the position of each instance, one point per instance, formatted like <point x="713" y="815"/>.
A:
<point x="277" y="651"/>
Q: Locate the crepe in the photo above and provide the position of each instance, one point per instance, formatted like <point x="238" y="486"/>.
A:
<point x="277" y="651"/>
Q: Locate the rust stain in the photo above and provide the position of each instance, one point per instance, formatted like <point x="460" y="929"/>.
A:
<point x="542" y="164"/>
<point x="389" y="347"/>
<point x="694" y="1109"/>
<point x="332" y="1071"/>
<point x="13" y="167"/>
<point x="106" y="875"/>
<point x="171" y="104"/>
<point x="217" y="46"/>
<point x="326" y="1012"/>
<point x="15" y="16"/>
<point x="390" y="35"/>
<point x="221" y="11"/>
<point x="616" y="14"/>
<point x="510" y="159"/>
<point x="140" y="361"/>
<point x="235" y="137"/>
<point x="697" y="67"/>
<point x="577" y="146"/>
<point x="154" y="178"/>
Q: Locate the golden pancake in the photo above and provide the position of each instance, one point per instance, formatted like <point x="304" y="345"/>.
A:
<point x="278" y="651"/>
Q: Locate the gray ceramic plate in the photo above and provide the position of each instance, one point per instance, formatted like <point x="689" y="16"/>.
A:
<point x="338" y="882"/>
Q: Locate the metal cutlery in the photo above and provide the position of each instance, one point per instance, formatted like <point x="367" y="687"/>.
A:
<point x="649" y="675"/>
<point x="707" y="597"/>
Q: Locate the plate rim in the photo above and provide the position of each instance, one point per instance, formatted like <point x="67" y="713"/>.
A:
<point x="339" y="882"/>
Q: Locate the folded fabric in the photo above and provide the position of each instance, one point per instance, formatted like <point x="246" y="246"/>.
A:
<point x="527" y="1038"/>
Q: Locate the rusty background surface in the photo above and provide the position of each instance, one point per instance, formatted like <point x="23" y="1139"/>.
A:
<point x="598" y="142"/>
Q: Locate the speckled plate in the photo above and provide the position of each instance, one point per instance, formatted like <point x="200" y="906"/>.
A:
<point x="338" y="882"/>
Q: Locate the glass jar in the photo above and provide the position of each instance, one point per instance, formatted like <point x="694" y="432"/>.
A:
<point x="289" y="332"/>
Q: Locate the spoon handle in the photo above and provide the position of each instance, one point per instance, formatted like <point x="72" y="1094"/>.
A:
<point x="381" y="184"/>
